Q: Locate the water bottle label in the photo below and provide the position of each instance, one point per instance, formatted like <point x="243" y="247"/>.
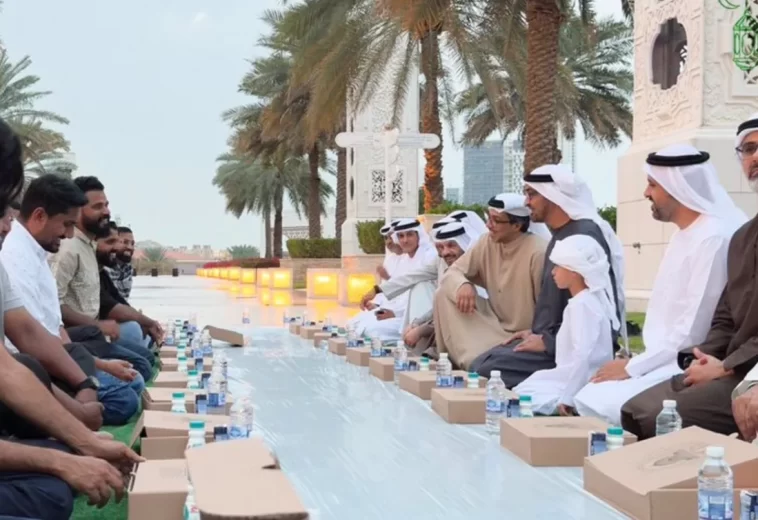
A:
<point x="246" y="320"/>
<point x="714" y="505"/>
<point x="221" y="399"/>
<point x="401" y="366"/>
<point x="352" y="343"/>
<point x="213" y="400"/>
<point x="444" y="381"/>
<point x="495" y="406"/>
<point x="238" y="432"/>
<point x="514" y="411"/>
<point x="202" y="409"/>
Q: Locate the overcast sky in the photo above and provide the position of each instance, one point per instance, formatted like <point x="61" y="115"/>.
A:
<point x="144" y="83"/>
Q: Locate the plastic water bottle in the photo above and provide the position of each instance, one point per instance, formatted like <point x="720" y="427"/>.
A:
<point x="668" y="420"/>
<point x="495" y="407"/>
<point x="423" y="365"/>
<point x="352" y="337"/>
<point x="324" y="345"/>
<point x="246" y="316"/>
<point x="444" y="372"/>
<point x="197" y="350"/>
<point x="169" y="339"/>
<point x="247" y="406"/>
<point x="219" y="359"/>
<point x="216" y="391"/>
<point x="196" y="434"/>
<point x="191" y="511"/>
<point x="305" y="319"/>
<point x="715" y="487"/>
<point x="193" y="322"/>
<point x="328" y="325"/>
<point x="473" y="380"/>
<point x="177" y="403"/>
<point x="182" y="364"/>
<point x="207" y="343"/>
<point x="286" y="318"/>
<point x="524" y="405"/>
<point x="193" y="382"/>
<point x="177" y="335"/>
<point x="401" y="360"/>
<point x="238" y="421"/>
<point x="376" y="347"/>
<point x="614" y="438"/>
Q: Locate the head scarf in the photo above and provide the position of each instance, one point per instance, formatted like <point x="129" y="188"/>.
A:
<point x="384" y="231"/>
<point x="689" y="177"/>
<point x="412" y="224"/>
<point x="746" y="128"/>
<point x="471" y="218"/>
<point x="582" y="254"/>
<point x="515" y="204"/>
<point x="441" y="223"/>
<point x="560" y="186"/>
<point x="459" y="232"/>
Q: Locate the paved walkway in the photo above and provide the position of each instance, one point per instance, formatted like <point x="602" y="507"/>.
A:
<point x="355" y="447"/>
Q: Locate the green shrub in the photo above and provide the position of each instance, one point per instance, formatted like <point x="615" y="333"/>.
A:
<point x="258" y="263"/>
<point x="314" y="248"/>
<point x="370" y="239"/>
<point x="448" y="207"/>
<point x="609" y="214"/>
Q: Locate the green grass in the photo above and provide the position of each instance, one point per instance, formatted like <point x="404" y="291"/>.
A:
<point x="635" y="342"/>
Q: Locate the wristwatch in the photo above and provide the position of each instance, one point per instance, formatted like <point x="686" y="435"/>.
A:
<point x="91" y="383"/>
<point x="377" y="289"/>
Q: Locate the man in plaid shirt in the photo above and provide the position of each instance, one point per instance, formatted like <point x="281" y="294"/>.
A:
<point x="122" y="272"/>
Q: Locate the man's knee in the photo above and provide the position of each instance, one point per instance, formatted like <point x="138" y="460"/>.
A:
<point x="36" y="368"/>
<point x="36" y="496"/>
<point x="119" y="406"/>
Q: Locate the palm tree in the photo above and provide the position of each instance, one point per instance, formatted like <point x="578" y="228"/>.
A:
<point x="244" y="251"/>
<point x="594" y="86"/>
<point x="17" y="100"/>
<point x="155" y="254"/>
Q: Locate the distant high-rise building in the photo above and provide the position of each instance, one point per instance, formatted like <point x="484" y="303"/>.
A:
<point x="483" y="172"/>
<point x="514" y="161"/>
<point x="453" y="195"/>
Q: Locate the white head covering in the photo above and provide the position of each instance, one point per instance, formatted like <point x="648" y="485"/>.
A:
<point x="471" y="218"/>
<point x="441" y="223"/>
<point x="745" y="128"/>
<point x="689" y="177"/>
<point x="582" y="254"/>
<point x="560" y="186"/>
<point x="412" y="224"/>
<point x="515" y="204"/>
<point x="459" y="232"/>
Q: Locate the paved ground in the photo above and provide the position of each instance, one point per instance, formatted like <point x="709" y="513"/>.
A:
<point x="355" y="447"/>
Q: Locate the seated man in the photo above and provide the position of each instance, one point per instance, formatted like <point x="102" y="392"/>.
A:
<point x="684" y="189"/>
<point x="507" y="262"/>
<point x="77" y="274"/>
<point x="48" y="213"/>
<point x="122" y="272"/>
<point x="730" y="349"/>
<point x="563" y="201"/>
<point x="37" y="475"/>
<point x="452" y="241"/>
<point x="392" y="254"/>
<point x="387" y="321"/>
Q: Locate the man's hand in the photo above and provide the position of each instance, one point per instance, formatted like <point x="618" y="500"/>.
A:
<point x="745" y="411"/>
<point x="119" y="368"/>
<point x="565" y="410"/>
<point x="612" y="371"/>
<point x="411" y="336"/>
<point x="366" y="300"/>
<point x="532" y="343"/>
<point x="384" y="314"/>
<point x="705" y="368"/>
<point x="522" y="334"/>
<point x="465" y="298"/>
<point x="109" y="328"/>
<point x="155" y="331"/>
<point x="382" y="272"/>
<point x="115" y="452"/>
<point x="91" y="476"/>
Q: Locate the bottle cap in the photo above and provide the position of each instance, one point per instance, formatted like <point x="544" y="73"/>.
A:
<point x="177" y="395"/>
<point x="181" y="358"/>
<point x="714" y="452"/>
<point x="219" y="430"/>
<point x="473" y="375"/>
<point x="495" y="374"/>
<point x="524" y="398"/>
<point x="192" y="372"/>
<point x="424" y="361"/>
<point x="669" y="403"/>
<point x="197" y="425"/>
<point x="615" y="430"/>
<point x="443" y="355"/>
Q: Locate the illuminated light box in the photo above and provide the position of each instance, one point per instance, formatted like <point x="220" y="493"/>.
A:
<point x="323" y="283"/>
<point x="216" y="272"/>
<point x="264" y="295"/>
<point x="247" y="276"/>
<point x="353" y="285"/>
<point x="248" y="291"/>
<point x="264" y="278"/>
<point x="224" y="271"/>
<point x="280" y="278"/>
<point x="234" y="273"/>
<point x="233" y="288"/>
<point x="281" y="298"/>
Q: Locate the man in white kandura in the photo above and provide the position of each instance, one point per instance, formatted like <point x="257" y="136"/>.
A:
<point x="581" y="345"/>
<point x="392" y="253"/>
<point x="683" y="188"/>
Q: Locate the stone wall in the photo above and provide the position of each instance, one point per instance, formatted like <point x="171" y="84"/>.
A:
<point x="300" y="266"/>
<point x="363" y="263"/>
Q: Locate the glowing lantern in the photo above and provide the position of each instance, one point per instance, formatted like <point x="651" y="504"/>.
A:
<point x="264" y="277"/>
<point x="281" y="298"/>
<point x="353" y="285"/>
<point x="247" y="276"/>
<point x="216" y="272"/>
<point x="322" y="283"/>
<point x="233" y="288"/>
<point x="234" y="273"/>
<point x="224" y="271"/>
<point x="280" y="279"/>
<point x="264" y="295"/>
<point x="247" y="291"/>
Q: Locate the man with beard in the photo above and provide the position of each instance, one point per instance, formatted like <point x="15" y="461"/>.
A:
<point x="48" y="215"/>
<point x="77" y="274"/>
<point x="703" y="393"/>
<point x="122" y="271"/>
<point x="684" y="189"/>
<point x="45" y="451"/>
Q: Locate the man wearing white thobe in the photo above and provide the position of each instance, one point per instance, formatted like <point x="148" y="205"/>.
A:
<point x="683" y="188"/>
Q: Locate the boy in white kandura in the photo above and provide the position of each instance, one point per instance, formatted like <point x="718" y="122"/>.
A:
<point x="583" y="342"/>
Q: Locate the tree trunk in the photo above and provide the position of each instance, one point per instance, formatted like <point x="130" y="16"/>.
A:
<point x="340" y="213"/>
<point x="430" y="120"/>
<point x="267" y="242"/>
<point x="278" y="221"/>
<point x="314" y="194"/>
<point x="543" y="18"/>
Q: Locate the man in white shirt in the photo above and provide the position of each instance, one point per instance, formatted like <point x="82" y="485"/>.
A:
<point x="48" y="213"/>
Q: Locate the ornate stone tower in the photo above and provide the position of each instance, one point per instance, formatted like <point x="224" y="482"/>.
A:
<point x="696" y="79"/>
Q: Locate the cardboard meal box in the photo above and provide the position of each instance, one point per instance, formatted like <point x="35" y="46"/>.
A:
<point x="158" y="489"/>
<point x="656" y="479"/>
<point x="233" y="338"/>
<point x="171" y="353"/>
<point x="552" y="441"/>
<point x="319" y="337"/>
<point x="462" y="405"/>
<point x="358" y="356"/>
<point x="176" y="380"/>
<point x="164" y="434"/>
<point x="245" y="489"/>
<point x="338" y="346"/>
<point x="310" y="331"/>
<point x="421" y="384"/>
<point x="382" y="368"/>
<point x="295" y="329"/>
<point x="170" y="364"/>
<point x="159" y="399"/>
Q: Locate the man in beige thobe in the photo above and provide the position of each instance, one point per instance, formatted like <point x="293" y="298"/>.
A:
<point x="507" y="263"/>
